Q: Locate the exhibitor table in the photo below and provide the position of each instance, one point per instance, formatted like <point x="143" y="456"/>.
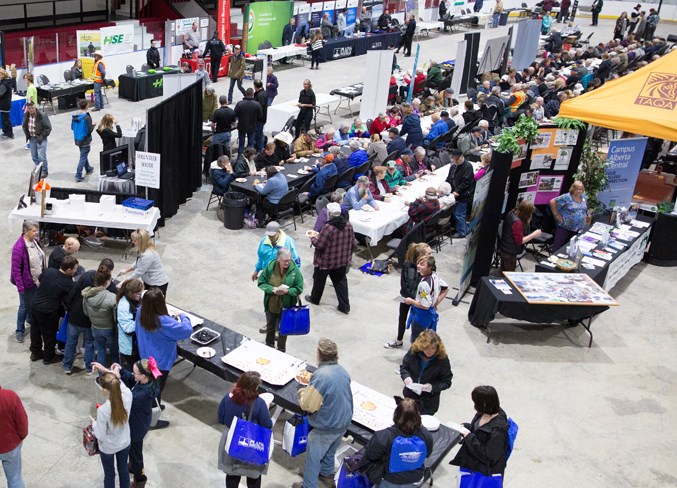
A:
<point x="286" y="396"/>
<point x="663" y="251"/>
<point x="252" y="63"/>
<point x="290" y="171"/>
<point x="16" y="112"/>
<point x="143" y="85"/>
<point x="607" y="264"/>
<point x="65" y="89"/>
<point x="349" y="92"/>
<point x="346" y="47"/>
<point x="489" y="299"/>
<point x="89" y="215"/>
<point x="289" y="51"/>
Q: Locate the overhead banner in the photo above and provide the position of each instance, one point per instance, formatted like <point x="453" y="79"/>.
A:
<point x="623" y="163"/>
<point x="88" y="41"/>
<point x="264" y="21"/>
<point x="351" y="15"/>
<point x="223" y="20"/>
<point x="472" y="238"/>
<point x="117" y="39"/>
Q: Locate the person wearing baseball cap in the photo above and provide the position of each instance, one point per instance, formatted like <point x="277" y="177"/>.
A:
<point x="396" y="141"/>
<point x="423" y="208"/>
<point x="324" y="170"/>
<point x="471" y="144"/>
<point x="98" y="75"/>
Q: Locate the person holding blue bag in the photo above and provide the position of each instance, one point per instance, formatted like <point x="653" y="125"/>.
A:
<point x="426" y="371"/>
<point x="430" y="293"/>
<point x="242" y="402"/>
<point x="282" y="283"/>
<point x="486" y="441"/>
<point x="402" y="448"/>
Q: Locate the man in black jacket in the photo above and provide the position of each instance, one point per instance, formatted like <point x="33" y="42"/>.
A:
<point x="217" y="49"/>
<point x="288" y="36"/>
<point x="153" y="55"/>
<point x="248" y="112"/>
<point x="408" y="36"/>
<point x="223" y="120"/>
<point x="461" y="178"/>
<point x="260" y="96"/>
<point x="37" y="128"/>
<point x="6" y="103"/>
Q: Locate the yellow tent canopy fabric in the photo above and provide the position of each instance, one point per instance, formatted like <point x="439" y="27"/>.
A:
<point x="643" y="102"/>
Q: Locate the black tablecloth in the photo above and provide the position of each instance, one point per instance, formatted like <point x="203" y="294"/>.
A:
<point x="287" y="396"/>
<point x="63" y="90"/>
<point x="142" y="86"/>
<point x="345" y="47"/>
<point x="488" y="300"/>
<point x="350" y="91"/>
<point x="598" y="274"/>
<point x="663" y="250"/>
<point x="289" y="169"/>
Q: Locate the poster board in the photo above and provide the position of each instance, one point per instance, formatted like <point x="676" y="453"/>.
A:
<point x="117" y="39"/>
<point x="376" y="83"/>
<point x="560" y="289"/>
<point x="147" y="169"/>
<point x="88" y="41"/>
<point x="264" y="21"/>
<point x="623" y="163"/>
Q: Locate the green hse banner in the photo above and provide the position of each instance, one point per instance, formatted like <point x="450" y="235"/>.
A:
<point x="264" y="21"/>
<point x="117" y="39"/>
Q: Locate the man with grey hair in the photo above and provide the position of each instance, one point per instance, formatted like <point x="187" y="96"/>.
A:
<point x="359" y="196"/>
<point x="70" y="246"/>
<point x="341" y="136"/>
<point x="485" y="133"/>
<point x="334" y="246"/>
<point x="328" y="400"/>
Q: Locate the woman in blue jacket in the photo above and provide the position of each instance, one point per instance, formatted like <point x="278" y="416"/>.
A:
<point x="128" y="301"/>
<point x="411" y="126"/>
<point x="158" y="332"/>
<point x="243" y="402"/>
<point x="145" y="389"/>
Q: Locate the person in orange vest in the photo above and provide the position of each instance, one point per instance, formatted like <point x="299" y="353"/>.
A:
<point x="517" y="98"/>
<point x="98" y="75"/>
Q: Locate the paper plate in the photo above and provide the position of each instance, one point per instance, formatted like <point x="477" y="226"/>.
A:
<point x="430" y="422"/>
<point x="267" y="397"/>
<point x="241" y="180"/>
<point x="279" y="168"/>
<point x="303" y="172"/>
<point x="208" y="352"/>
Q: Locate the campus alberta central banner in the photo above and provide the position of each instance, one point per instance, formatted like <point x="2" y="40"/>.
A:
<point x="264" y="21"/>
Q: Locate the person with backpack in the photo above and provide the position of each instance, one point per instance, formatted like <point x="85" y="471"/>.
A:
<point x="82" y="127"/>
<point x="486" y="443"/>
<point x="402" y="447"/>
<point x="128" y="300"/>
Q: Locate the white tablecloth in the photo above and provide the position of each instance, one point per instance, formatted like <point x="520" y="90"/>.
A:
<point x="64" y="213"/>
<point x="392" y="215"/>
<point x="279" y="113"/>
<point x="277" y="53"/>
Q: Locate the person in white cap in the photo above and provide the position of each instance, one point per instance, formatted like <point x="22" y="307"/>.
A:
<point x="98" y="75"/>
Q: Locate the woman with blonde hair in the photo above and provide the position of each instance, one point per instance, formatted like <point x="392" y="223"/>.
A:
<point x="106" y="132"/>
<point x="426" y="371"/>
<point x="316" y="45"/>
<point x="148" y="265"/>
<point x="409" y="280"/>
<point x="111" y="428"/>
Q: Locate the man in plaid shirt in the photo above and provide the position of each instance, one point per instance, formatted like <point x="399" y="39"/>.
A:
<point x="334" y="246"/>
<point x="421" y="209"/>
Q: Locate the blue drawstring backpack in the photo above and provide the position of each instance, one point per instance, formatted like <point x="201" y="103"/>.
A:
<point x="513" y="428"/>
<point x="407" y="454"/>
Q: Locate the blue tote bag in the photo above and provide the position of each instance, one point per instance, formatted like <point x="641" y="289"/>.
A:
<point x="295" y="435"/>
<point x="346" y="479"/>
<point x="295" y="320"/>
<point x="62" y="333"/>
<point x="473" y="479"/>
<point x="249" y="442"/>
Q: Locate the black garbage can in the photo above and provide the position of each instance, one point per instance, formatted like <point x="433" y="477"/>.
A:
<point x="233" y="205"/>
<point x="503" y="19"/>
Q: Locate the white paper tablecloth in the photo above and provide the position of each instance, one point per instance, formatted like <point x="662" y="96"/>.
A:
<point x="393" y="214"/>
<point x="92" y="216"/>
<point x="283" y="51"/>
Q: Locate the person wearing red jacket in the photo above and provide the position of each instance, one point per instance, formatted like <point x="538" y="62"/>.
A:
<point x="419" y="84"/>
<point x="380" y="124"/>
<point x="13" y="430"/>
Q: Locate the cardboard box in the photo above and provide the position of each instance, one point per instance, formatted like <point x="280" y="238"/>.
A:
<point x="77" y="202"/>
<point x="138" y="203"/>
<point x="107" y="203"/>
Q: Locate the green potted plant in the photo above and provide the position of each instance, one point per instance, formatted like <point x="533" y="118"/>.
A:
<point x="525" y="130"/>
<point x="591" y="172"/>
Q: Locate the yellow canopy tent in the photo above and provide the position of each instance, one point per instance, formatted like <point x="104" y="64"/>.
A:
<point x="643" y="102"/>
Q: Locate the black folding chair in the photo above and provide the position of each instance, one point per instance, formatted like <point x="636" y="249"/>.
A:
<point x="285" y="206"/>
<point x="346" y="179"/>
<point x="302" y="200"/>
<point x="399" y="246"/>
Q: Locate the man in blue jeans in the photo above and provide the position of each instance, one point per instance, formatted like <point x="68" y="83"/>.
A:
<point x="14" y="429"/>
<point x="462" y="180"/>
<point x="223" y="120"/>
<point x="249" y="113"/>
<point x="37" y="128"/>
<point x="329" y="403"/>
<point x="82" y="128"/>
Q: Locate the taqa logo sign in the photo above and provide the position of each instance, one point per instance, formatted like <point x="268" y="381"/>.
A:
<point x="343" y="52"/>
<point x="659" y="91"/>
<point x="250" y="443"/>
<point x="377" y="45"/>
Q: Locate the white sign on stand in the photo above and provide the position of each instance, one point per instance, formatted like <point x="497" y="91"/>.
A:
<point x="147" y="169"/>
<point x="376" y="83"/>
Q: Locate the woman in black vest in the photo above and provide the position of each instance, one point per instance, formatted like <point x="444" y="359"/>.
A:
<point x="514" y="234"/>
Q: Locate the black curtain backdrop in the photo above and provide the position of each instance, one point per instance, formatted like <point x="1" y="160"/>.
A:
<point x="500" y="162"/>
<point x="174" y="129"/>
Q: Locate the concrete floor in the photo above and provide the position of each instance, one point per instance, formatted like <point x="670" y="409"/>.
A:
<point x="599" y="417"/>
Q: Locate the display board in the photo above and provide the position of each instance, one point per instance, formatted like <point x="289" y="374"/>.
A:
<point x="559" y="289"/>
<point x="88" y="41"/>
<point x="472" y="238"/>
<point x="623" y="163"/>
<point x="494" y="50"/>
<point x="275" y="367"/>
<point x="117" y="39"/>
<point x="376" y="84"/>
<point x="264" y="21"/>
<point x="527" y="37"/>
